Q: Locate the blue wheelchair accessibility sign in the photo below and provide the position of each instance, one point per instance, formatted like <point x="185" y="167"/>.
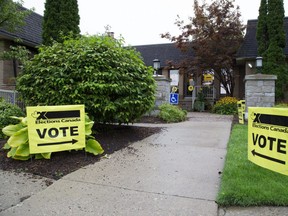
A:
<point x="174" y="98"/>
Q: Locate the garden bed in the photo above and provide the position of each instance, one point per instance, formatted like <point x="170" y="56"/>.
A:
<point x="111" y="137"/>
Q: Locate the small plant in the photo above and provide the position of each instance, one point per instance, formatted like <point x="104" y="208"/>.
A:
<point x="58" y="174"/>
<point x="199" y="104"/>
<point x="201" y="96"/>
<point x="226" y="106"/>
<point x="7" y="110"/>
<point x="170" y="113"/>
<point x="18" y="143"/>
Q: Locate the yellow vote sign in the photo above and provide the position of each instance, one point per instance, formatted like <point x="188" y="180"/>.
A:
<point x="56" y="128"/>
<point x="268" y="138"/>
<point x="241" y="111"/>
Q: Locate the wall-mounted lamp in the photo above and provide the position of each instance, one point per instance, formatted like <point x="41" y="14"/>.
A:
<point x="259" y="64"/>
<point x="250" y="65"/>
<point x="156" y="66"/>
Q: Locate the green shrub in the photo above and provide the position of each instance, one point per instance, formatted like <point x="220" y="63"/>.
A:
<point x="170" y="113"/>
<point x="226" y="106"/>
<point x="199" y="106"/>
<point x="6" y="111"/>
<point x="98" y="71"/>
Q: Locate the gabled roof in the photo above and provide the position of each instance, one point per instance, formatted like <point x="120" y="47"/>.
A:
<point x="249" y="46"/>
<point x="30" y="33"/>
<point x="163" y="52"/>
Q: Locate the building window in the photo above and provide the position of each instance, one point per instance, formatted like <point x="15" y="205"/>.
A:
<point x="174" y="76"/>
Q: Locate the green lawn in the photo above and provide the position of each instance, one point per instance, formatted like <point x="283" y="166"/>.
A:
<point x="246" y="184"/>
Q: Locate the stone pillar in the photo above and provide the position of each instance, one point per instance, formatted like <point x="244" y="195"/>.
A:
<point x="162" y="93"/>
<point x="260" y="90"/>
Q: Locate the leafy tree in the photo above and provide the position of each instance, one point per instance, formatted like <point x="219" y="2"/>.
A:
<point x="214" y="35"/>
<point x="16" y="53"/>
<point x="113" y="82"/>
<point x="61" y="18"/>
<point x="271" y="42"/>
<point x="12" y="15"/>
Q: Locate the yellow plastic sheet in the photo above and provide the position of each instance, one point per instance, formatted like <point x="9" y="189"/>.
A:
<point x="241" y="111"/>
<point x="56" y="128"/>
<point x="268" y="137"/>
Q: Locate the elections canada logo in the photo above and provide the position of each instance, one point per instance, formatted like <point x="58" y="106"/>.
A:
<point x="270" y="122"/>
<point x="52" y="117"/>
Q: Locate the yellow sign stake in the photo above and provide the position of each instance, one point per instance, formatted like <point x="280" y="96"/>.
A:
<point x="268" y="138"/>
<point x="56" y="128"/>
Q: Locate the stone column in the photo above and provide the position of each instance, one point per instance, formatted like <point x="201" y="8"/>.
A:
<point x="162" y="93"/>
<point x="259" y="90"/>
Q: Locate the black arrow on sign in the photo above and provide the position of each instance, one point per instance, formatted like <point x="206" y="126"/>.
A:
<point x="267" y="157"/>
<point x="58" y="143"/>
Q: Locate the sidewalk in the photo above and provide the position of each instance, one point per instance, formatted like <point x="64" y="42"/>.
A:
<point x="175" y="172"/>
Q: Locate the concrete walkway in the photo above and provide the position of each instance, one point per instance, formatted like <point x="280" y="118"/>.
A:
<point x="175" y="172"/>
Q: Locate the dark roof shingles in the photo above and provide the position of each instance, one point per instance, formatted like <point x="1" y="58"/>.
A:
<point x="30" y="33"/>
<point x="249" y="46"/>
<point x="163" y="52"/>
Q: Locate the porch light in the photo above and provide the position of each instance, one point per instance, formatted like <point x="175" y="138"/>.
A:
<point x="259" y="64"/>
<point x="156" y="66"/>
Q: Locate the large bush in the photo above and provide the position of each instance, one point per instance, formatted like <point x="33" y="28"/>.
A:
<point x="111" y="80"/>
<point x="6" y="111"/>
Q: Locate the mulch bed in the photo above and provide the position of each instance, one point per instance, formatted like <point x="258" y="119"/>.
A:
<point x="111" y="137"/>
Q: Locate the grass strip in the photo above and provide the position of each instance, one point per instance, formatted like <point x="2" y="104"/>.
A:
<point x="246" y="184"/>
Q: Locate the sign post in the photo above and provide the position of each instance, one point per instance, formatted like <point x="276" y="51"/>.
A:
<point x="268" y="138"/>
<point x="56" y="128"/>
